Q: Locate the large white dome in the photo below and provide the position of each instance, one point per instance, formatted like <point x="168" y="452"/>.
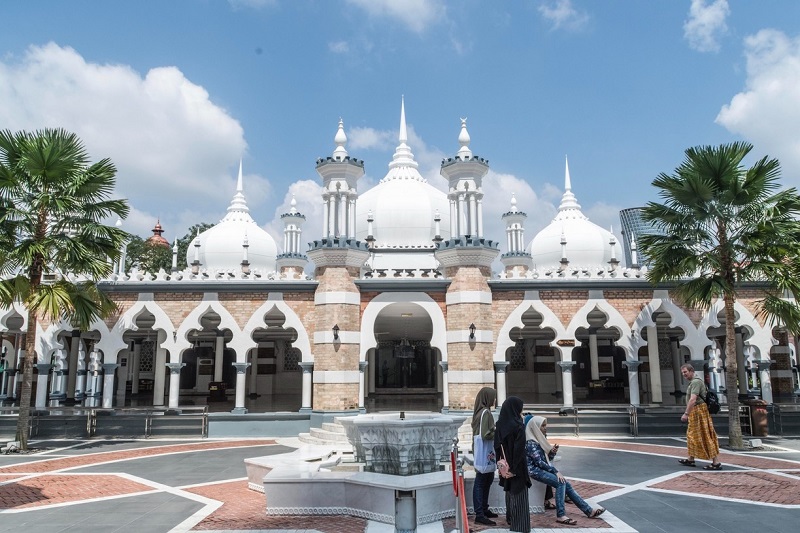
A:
<point x="222" y="246"/>
<point x="403" y="204"/>
<point x="586" y="243"/>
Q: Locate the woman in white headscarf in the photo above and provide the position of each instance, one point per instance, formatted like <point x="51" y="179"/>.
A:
<point x="537" y="451"/>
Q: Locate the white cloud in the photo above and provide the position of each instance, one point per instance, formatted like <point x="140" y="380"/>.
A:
<point x="706" y="24"/>
<point x="767" y="112"/>
<point x="168" y="140"/>
<point x="339" y="47"/>
<point x="563" y="15"/>
<point x="416" y="15"/>
<point x="370" y="139"/>
<point x="308" y="194"/>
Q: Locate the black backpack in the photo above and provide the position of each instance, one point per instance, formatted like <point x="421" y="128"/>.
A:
<point x="712" y="401"/>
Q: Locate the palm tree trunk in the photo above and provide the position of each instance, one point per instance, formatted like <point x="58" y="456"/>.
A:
<point x="23" y="421"/>
<point x="731" y="377"/>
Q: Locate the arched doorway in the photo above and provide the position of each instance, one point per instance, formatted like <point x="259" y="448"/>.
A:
<point x="404" y="371"/>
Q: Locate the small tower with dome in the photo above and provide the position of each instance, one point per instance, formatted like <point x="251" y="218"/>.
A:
<point x="517" y="261"/>
<point x="467" y="258"/>
<point x="292" y="261"/>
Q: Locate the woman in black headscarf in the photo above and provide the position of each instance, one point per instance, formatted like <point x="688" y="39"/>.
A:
<point x="509" y="443"/>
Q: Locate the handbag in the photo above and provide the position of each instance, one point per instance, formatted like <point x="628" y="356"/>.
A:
<point x="502" y="465"/>
<point x="485" y="460"/>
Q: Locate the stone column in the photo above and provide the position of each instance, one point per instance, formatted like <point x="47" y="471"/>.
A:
<point x="566" y="379"/>
<point x="362" y="366"/>
<point x="445" y="387"/>
<point x="593" y="357"/>
<point x="158" y="376"/>
<point x="500" y="377"/>
<point x="764" y="377"/>
<point x="656" y="395"/>
<point x="122" y="379"/>
<point x="308" y="368"/>
<point x="218" y="356"/>
<point x="633" y="380"/>
<point x="174" y="383"/>
<point x="41" y="384"/>
<point x="675" y="351"/>
<point x="80" y="378"/>
<point x="698" y="365"/>
<point x="108" y="384"/>
<point x="241" y="380"/>
<point x="741" y="370"/>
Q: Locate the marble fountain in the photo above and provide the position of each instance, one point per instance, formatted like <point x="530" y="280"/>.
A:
<point x="397" y="472"/>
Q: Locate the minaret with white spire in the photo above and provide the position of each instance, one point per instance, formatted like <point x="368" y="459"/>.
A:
<point x="338" y="260"/>
<point x="292" y="261"/>
<point x="517" y="260"/>
<point x="467" y="261"/>
<point x="340" y="174"/>
<point x="465" y="173"/>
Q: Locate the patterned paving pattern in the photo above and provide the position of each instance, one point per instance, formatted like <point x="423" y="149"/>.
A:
<point x="231" y="506"/>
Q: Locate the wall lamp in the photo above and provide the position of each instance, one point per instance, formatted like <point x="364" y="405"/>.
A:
<point x="472" y="331"/>
<point x="336" y="332"/>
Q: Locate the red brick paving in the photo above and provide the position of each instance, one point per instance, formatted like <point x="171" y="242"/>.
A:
<point x="50" y="465"/>
<point x="245" y="509"/>
<point x="48" y="490"/>
<point x="753" y="486"/>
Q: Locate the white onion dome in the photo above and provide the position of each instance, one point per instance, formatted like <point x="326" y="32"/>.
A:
<point x="237" y="237"/>
<point x="403" y="204"/>
<point x="572" y="236"/>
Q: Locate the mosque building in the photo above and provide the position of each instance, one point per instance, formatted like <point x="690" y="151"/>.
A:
<point x="402" y="310"/>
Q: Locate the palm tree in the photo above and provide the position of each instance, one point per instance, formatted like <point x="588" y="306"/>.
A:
<point x="721" y="225"/>
<point x="53" y="202"/>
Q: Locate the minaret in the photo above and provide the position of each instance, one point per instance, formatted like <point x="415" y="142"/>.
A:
<point x="292" y="261"/>
<point x="340" y="174"/>
<point x="465" y="173"/>
<point x="466" y="260"/>
<point x="338" y="260"/>
<point x="517" y="260"/>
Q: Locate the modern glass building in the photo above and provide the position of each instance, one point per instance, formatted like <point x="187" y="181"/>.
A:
<point x="633" y="227"/>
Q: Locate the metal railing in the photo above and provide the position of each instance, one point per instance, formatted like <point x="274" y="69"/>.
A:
<point x="149" y="418"/>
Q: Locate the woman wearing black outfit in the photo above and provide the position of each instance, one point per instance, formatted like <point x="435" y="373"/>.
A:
<point x="509" y="443"/>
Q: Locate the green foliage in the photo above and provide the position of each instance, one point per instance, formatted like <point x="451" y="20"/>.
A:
<point x="722" y="225"/>
<point x="185" y="241"/>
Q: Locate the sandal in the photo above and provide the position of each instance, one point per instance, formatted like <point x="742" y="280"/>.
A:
<point x="687" y="462"/>
<point x="567" y="521"/>
<point x="549" y="505"/>
<point x="713" y="466"/>
<point x="597" y="512"/>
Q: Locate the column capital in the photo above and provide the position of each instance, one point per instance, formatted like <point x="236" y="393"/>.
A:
<point x="362" y="366"/>
<point x="443" y="364"/>
<point x="566" y="366"/>
<point x="44" y="368"/>
<point x="175" y="368"/>
<point x="306" y="366"/>
<point x="241" y="368"/>
<point x="764" y="364"/>
<point x="500" y="366"/>
<point x="632" y="364"/>
<point x="111" y="367"/>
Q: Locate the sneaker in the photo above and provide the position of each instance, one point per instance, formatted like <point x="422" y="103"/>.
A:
<point x="485" y="521"/>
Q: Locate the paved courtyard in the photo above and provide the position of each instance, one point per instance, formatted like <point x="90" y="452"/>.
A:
<point x="177" y="486"/>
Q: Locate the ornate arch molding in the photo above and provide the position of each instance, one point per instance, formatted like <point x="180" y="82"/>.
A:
<point x="243" y="343"/>
<point x="614" y="319"/>
<point x="210" y="303"/>
<point x="549" y="320"/>
<point x="127" y="322"/>
<point x="377" y="304"/>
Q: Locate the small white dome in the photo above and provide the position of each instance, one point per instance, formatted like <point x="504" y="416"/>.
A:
<point x="586" y="243"/>
<point x="222" y="246"/>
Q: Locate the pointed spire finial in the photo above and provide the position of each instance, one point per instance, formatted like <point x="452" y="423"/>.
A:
<point x="463" y="139"/>
<point x="340" y="139"/>
<point x="567" y="181"/>
<point x="402" y="155"/>
<point x="239" y="187"/>
<point x="403" y="137"/>
<point x="238" y="203"/>
<point x="293" y="203"/>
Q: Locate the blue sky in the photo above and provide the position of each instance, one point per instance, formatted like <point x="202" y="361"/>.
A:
<point x="176" y="92"/>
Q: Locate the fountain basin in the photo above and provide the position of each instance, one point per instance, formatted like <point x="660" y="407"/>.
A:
<point x="402" y="444"/>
